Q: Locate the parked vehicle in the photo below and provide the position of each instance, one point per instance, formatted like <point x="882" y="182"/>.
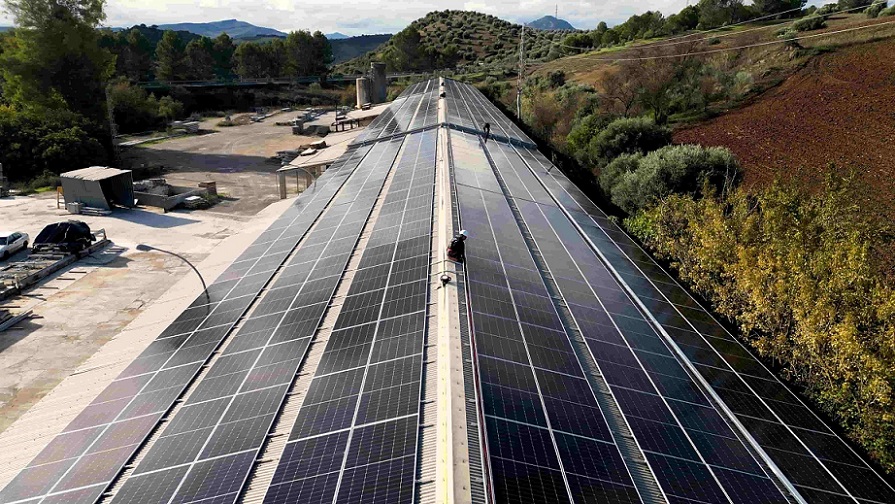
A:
<point x="70" y="236"/>
<point x="12" y="242"/>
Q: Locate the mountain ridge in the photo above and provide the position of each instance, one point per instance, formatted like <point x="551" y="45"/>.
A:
<point x="550" y="23"/>
<point x="235" y="28"/>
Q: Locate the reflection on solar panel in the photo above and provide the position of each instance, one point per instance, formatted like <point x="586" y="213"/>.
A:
<point x="581" y="371"/>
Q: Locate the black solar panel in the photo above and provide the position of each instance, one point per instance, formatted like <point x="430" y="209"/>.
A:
<point x="364" y="401"/>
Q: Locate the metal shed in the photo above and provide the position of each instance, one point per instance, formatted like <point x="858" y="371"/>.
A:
<point x="99" y="187"/>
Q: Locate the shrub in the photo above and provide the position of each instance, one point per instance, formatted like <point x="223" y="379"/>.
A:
<point x="612" y="174"/>
<point x="828" y="9"/>
<point x="626" y="136"/>
<point x="669" y="170"/>
<point x="874" y="10"/>
<point x="887" y="12"/>
<point x="809" y="23"/>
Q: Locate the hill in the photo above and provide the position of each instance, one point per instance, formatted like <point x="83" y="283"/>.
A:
<point x="837" y="109"/>
<point x="336" y="36"/>
<point x="348" y="48"/>
<point x="450" y="38"/>
<point x="235" y="28"/>
<point x="786" y="112"/>
<point x="550" y="23"/>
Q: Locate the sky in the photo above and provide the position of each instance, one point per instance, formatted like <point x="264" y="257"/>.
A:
<point x="358" y="17"/>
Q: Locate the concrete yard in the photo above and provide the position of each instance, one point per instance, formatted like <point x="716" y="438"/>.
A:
<point x="82" y="307"/>
<point x="236" y="157"/>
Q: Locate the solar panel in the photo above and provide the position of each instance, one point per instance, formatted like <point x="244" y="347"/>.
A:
<point x="365" y="397"/>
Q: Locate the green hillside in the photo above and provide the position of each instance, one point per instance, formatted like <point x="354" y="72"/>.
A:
<point x="348" y="48"/>
<point x="446" y="39"/>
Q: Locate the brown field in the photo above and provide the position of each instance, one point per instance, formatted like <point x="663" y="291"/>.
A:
<point x="838" y="109"/>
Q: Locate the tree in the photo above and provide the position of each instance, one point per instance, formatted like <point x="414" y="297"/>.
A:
<point x="169" y="108"/>
<point x="620" y="88"/>
<point x="135" y="58"/>
<point x="222" y="52"/>
<point x="199" y="61"/>
<point x="170" y="58"/>
<point x="250" y="61"/>
<point x="54" y="59"/>
<point x="406" y="52"/>
<point x="626" y="136"/>
<point x="766" y="7"/>
<point x="715" y="13"/>
<point x="602" y="27"/>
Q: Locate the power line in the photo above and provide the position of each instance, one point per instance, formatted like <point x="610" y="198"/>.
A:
<point x="672" y="41"/>
<point x="749" y="46"/>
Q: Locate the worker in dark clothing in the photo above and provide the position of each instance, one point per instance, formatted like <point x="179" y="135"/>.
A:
<point x="457" y="249"/>
<point x="487" y="129"/>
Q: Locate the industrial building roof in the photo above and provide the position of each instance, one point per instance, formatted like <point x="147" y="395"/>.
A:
<point x="94" y="173"/>
<point x="343" y="358"/>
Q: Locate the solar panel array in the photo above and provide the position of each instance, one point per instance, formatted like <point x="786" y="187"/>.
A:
<point x="415" y="108"/>
<point x="82" y="461"/>
<point x="590" y="374"/>
<point x="209" y="447"/>
<point x="355" y="438"/>
<point x="810" y="456"/>
<point x="822" y="466"/>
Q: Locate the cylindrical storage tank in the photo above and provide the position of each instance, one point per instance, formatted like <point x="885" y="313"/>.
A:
<point x="380" y="84"/>
<point x="363" y="91"/>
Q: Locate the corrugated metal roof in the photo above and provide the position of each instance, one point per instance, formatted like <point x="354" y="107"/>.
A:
<point x="94" y="173"/>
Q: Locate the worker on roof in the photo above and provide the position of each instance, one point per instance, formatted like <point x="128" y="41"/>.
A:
<point x="487" y="129"/>
<point x="457" y="249"/>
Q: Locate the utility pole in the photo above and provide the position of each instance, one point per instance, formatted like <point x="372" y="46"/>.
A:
<point x="521" y="74"/>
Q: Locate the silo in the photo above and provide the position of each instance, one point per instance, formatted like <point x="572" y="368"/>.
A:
<point x="363" y="91"/>
<point x="380" y="84"/>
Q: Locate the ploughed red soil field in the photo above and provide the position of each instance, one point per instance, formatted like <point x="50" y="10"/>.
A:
<point x="839" y="109"/>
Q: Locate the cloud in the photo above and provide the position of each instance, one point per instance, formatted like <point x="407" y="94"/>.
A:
<point x="356" y="17"/>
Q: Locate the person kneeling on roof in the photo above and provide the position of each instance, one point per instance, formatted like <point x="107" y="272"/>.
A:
<point x="457" y="249"/>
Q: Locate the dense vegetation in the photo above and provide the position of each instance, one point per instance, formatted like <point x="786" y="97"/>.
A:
<point x="144" y="55"/>
<point x="797" y="273"/>
<point x="448" y="39"/>
<point x="58" y="67"/>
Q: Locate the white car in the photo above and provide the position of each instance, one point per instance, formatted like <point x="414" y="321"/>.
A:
<point x="10" y="243"/>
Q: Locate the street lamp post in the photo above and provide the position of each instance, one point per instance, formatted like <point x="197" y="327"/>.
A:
<point x="142" y="247"/>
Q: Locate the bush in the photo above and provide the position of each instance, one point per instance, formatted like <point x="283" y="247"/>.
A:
<point x="795" y="271"/>
<point x="828" y="9"/>
<point x="626" y="136"/>
<point x="874" y="10"/>
<point x="615" y="171"/>
<point x="33" y="142"/>
<point x="887" y="12"/>
<point x="809" y="23"/>
<point x="669" y="170"/>
<point x="135" y="111"/>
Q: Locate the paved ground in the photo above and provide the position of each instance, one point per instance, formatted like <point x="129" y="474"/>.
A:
<point x="86" y="310"/>
<point x="238" y="158"/>
<point x="81" y="308"/>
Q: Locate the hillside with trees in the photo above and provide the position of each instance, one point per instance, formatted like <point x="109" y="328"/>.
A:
<point x="450" y="38"/>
